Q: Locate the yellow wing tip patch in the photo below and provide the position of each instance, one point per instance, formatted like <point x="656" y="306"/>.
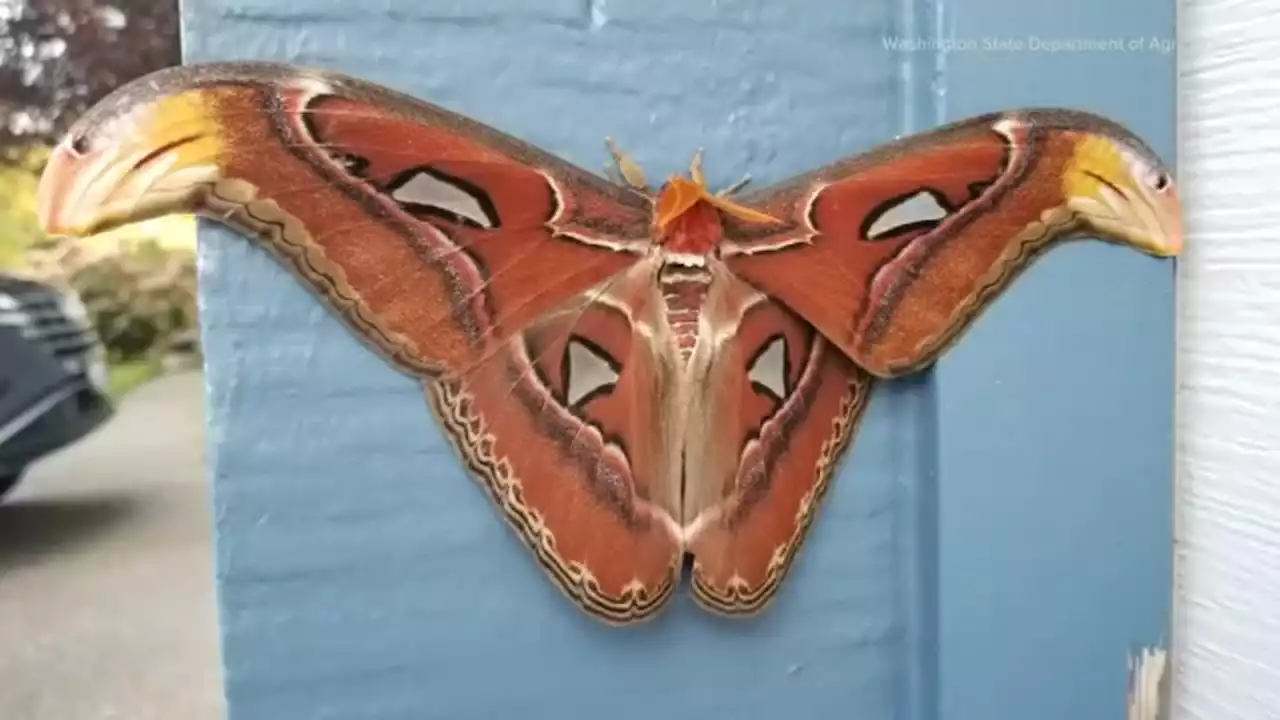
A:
<point x="1123" y="196"/>
<point x="141" y="163"/>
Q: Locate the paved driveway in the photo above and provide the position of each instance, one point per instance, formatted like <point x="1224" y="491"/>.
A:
<point x="106" y="585"/>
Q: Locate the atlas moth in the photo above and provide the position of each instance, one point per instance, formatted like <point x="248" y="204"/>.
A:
<point x="635" y="375"/>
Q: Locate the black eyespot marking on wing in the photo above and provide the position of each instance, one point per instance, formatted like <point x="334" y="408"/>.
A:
<point x="976" y="189"/>
<point x="352" y="163"/>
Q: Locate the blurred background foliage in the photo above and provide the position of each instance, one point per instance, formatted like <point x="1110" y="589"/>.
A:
<point x="140" y="293"/>
<point x="57" y="58"/>
<point x="18" y="227"/>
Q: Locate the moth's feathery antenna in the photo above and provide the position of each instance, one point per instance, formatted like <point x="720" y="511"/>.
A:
<point x="628" y="168"/>
<point x="697" y="175"/>
<point x="736" y="186"/>
<point x="695" y="169"/>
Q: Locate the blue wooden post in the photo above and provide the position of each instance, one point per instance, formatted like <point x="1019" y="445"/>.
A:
<point x="998" y="539"/>
<point x="1055" y="416"/>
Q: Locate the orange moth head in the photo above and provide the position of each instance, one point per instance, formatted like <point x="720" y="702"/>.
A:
<point x="682" y="194"/>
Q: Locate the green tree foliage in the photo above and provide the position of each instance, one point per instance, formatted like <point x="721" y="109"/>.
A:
<point x="142" y="301"/>
<point x="140" y="295"/>
<point x="19" y="229"/>
<point x="58" y="57"/>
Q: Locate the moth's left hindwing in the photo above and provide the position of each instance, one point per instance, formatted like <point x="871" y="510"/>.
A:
<point x="566" y="428"/>
<point x="776" y="408"/>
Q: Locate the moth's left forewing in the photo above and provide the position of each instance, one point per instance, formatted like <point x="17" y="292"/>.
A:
<point x="778" y="406"/>
<point x="892" y="254"/>
<point x="536" y="228"/>
<point x="429" y="233"/>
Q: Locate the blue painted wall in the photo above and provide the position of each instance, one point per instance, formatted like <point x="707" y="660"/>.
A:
<point x="998" y="539"/>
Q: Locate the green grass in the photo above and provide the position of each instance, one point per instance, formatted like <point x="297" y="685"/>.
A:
<point x="125" y="376"/>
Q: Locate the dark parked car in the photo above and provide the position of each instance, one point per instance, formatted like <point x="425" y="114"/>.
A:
<point x="53" y="376"/>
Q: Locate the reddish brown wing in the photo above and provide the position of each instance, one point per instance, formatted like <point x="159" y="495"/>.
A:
<point x="430" y="233"/>
<point x="487" y="268"/>
<point x="893" y="253"/>
<point x="775" y="407"/>
<point x="568" y="427"/>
